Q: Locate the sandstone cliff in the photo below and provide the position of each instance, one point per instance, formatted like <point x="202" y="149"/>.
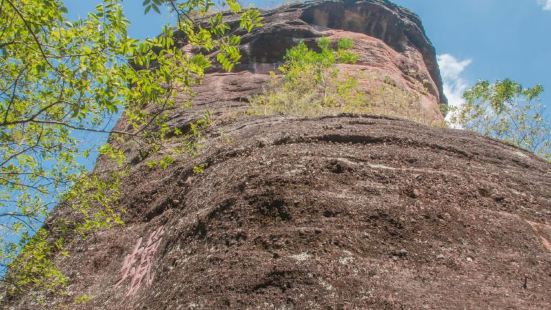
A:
<point x="393" y="48"/>
<point x="340" y="211"/>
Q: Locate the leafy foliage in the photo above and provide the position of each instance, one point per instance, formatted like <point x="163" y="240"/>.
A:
<point x="34" y="267"/>
<point x="505" y="110"/>
<point x="311" y="82"/>
<point x="199" y="169"/>
<point x="93" y="199"/>
<point x="60" y="77"/>
<point x="82" y="299"/>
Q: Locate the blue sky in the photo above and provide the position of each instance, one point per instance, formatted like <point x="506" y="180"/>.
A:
<point x="489" y="40"/>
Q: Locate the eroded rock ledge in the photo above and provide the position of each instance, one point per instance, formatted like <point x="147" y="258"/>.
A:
<point x="395" y="27"/>
<point x="390" y="41"/>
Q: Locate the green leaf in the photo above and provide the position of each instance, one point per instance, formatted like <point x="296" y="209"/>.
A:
<point x="235" y="7"/>
<point x="156" y="8"/>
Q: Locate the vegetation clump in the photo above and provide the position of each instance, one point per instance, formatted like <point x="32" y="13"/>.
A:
<point x="310" y="81"/>
<point x="34" y="267"/>
<point x="314" y="82"/>
<point x="506" y="111"/>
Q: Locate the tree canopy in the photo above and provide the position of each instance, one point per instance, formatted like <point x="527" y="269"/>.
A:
<point x="59" y="77"/>
<point x="507" y="111"/>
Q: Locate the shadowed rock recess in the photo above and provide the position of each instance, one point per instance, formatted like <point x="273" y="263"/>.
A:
<point x="334" y="212"/>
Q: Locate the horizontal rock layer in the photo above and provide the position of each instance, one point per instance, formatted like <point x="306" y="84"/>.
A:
<point x="340" y="211"/>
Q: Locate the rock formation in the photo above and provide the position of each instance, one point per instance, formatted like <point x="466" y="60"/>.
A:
<point x="390" y="41"/>
<point x="339" y="212"/>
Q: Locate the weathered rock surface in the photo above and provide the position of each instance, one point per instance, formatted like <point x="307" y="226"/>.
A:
<point x="390" y="41"/>
<point x="338" y="212"/>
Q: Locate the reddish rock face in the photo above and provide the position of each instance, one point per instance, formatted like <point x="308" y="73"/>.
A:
<point x="399" y="29"/>
<point x="341" y="212"/>
<point x="390" y="41"/>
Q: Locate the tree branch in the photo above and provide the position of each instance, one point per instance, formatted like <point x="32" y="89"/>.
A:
<point x="31" y="32"/>
<point x="58" y="123"/>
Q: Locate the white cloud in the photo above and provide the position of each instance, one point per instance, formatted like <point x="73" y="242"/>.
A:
<point x="452" y="75"/>
<point x="546" y="4"/>
<point x="450" y="67"/>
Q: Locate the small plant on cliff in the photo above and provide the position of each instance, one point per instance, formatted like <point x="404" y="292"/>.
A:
<point x="507" y="111"/>
<point x="314" y="82"/>
<point x="310" y="81"/>
<point x="82" y="299"/>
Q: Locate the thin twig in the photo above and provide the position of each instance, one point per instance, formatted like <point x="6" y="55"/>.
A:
<point x="31" y="32"/>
